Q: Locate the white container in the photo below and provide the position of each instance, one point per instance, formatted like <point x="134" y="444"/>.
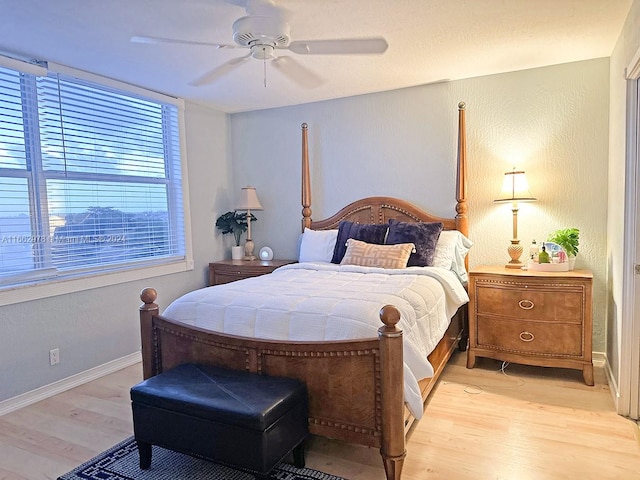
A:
<point x="237" y="252"/>
<point x="548" y="267"/>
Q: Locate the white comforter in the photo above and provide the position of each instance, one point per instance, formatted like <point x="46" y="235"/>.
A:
<point x="319" y="301"/>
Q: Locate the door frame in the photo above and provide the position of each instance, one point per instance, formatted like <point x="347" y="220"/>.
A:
<point x="629" y="361"/>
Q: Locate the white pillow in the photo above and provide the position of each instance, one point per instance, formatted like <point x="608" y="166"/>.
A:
<point x="451" y="250"/>
<point x="317" y="245"/>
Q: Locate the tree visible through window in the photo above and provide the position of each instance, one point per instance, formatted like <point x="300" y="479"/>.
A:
<point x="90" y="178"/>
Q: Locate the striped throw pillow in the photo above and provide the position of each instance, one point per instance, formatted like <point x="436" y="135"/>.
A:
<point x="373" y="255"/>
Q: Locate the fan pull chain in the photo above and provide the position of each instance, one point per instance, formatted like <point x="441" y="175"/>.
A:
<point x="264" y="63"/>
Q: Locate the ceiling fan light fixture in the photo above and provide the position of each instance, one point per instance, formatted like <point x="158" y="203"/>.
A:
<point x="262" y="51"/>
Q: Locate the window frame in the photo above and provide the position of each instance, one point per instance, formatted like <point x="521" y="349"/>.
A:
<point x="33" y="289"/>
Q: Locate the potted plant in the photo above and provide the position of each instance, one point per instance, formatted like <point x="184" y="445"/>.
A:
<point x="236" y="223"/>
<point x="568" y="239"/>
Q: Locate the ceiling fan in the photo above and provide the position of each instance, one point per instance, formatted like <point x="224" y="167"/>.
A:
<point x="265" y="30"/>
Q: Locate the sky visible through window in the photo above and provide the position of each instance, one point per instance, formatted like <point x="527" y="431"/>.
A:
<point x="93" y="185"/>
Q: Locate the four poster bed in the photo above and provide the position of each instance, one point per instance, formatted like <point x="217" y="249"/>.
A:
<point x="357" y="386"/>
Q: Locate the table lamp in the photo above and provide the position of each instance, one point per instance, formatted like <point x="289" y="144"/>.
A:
<point x="249" y="201"/>
<point x="515" y="189"/>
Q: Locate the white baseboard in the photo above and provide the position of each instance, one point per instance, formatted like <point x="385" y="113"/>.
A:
<point x="68" y="383"/>
<point x="601" y="360"/>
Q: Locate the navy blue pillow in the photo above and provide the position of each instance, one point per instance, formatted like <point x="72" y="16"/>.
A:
<point x="359" y="231"/>
<point x="424" y="235"/>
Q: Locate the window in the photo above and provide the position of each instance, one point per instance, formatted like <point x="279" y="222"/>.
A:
<point x="90" y="179"/>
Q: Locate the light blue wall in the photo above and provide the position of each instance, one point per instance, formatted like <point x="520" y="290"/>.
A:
<point x="400" y="143"/>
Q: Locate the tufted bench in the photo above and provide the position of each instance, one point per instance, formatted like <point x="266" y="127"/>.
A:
<point x="242" y="419"/>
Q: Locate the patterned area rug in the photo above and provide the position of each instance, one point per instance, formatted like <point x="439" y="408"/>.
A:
<point x="121" y="462"/>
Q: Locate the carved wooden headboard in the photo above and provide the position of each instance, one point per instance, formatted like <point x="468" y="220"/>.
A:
<point x="380" y="210"/>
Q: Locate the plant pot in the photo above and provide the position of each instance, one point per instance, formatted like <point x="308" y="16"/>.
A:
<point x="572" y="261"/>
<point x="237" y="252"/>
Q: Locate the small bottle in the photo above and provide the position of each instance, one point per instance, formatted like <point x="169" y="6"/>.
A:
<point x="543" y="256"/>
<point x="533" y="251"/>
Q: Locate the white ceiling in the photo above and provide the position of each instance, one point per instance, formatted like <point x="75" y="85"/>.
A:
<point x="429" y="41"/>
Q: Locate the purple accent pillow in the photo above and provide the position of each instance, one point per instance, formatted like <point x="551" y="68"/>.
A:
<point x="422" y="234"/>
<point x="359" y="231"/>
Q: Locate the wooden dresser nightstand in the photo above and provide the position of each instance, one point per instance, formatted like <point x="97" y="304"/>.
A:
<point x="226" y="271"/>
<point x="531" y="317"/>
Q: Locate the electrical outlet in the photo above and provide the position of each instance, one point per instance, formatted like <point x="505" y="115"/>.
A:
<point x="54" y="356"/>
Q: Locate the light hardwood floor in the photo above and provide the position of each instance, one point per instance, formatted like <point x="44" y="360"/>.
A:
<point x="527" y="423"/>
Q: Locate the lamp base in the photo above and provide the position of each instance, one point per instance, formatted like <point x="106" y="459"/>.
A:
<point x="515" y="251"/>
<point x="248" y="250"/>
<point x="514" y="265"/>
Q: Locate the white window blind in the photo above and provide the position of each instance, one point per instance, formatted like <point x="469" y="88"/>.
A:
<point x="90" y="179"/>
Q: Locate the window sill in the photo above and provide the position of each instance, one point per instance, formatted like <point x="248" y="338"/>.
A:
<point x="50" y="288"/>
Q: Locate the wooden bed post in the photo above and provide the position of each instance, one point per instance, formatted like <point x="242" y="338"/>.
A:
<point x="392" y="448"/>
<point x="306" y="182"/>
<point x="461" y="177"/>
<point x="147" y="311"/>
<point x="462" y="221"/>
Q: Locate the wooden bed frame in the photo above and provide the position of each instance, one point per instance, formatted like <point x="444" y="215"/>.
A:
<point x="355" y="386"/>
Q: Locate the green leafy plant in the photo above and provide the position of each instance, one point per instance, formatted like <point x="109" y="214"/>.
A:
<point x="567" y="238"/>
<point x="234" y="222"/>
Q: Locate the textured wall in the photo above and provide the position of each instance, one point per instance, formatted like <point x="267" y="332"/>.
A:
<point x="552" y="122"/>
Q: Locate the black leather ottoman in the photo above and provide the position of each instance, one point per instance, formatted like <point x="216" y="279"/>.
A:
<point x="242" y="419"/>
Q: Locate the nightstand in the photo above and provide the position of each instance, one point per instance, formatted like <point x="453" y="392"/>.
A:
<point x="531" y="317"/>
<point x="226" y="271"/>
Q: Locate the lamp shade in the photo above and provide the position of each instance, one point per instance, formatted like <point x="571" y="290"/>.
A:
<point x="515" y="188"/>
<point x="249" y="199"/>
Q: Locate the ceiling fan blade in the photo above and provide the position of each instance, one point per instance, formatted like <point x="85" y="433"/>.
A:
<point x="296" y="72"/>
<point x="221" y="70"/>
<point x="156" y="40"/>
<point x="346" y="46"/>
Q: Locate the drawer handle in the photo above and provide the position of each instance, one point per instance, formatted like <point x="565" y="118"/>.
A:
<point x="526" y="304"/>
<point x="527" y="336"/>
